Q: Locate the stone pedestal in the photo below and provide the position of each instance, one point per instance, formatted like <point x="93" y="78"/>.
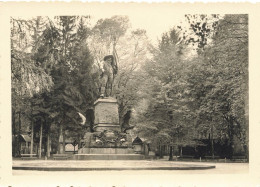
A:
<point x="106" y="115"/>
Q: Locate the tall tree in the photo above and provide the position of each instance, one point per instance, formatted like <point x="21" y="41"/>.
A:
<point x="133" y="52"/>
<point x="220" y="80"/>
<point x="167" y="111"/>
<point x="28" y="78"/>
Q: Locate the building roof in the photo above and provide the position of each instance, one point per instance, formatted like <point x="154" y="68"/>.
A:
<point x="26" y="137"/>
<point x="139" y="140"/>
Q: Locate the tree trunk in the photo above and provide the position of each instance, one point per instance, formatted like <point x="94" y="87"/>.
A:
<point x="63" y="143"/>
<point x="27" y="148"/>
<point x="40" y="144"/>
<point x="171" y="155"/>
<point x="230" y="134"/>
<point x="13" y="121"/>
<point x="48" y="144"/>
<point x="212" y="142"/>
<point x="14" y="133"/>
<point x="32" y="132"/>
<point x="79" y="143"/>
<point x="181" y="151"/>
<point x="19" y="133"/>
<point x="246" y="153"/>
<point x="160" y="151"/>
<point x="61" y="140"/>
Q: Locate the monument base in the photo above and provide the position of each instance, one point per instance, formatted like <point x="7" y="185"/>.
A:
<point x="107" y="142"/>
<point x="108" y="157"/>
<point x="106" y="151"/>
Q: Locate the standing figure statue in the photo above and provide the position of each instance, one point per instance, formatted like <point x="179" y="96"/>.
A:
<point x="108" y="74"/>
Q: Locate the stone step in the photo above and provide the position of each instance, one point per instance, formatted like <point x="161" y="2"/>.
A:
<point x="108" y="157"/>
<point x="103" y="150"/>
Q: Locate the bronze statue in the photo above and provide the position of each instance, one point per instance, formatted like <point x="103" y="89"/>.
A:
<point x="109" y="72"/>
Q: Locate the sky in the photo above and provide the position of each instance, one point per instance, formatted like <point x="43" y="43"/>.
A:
<point x="154" y="25"/>
<point x="150" y="20"/>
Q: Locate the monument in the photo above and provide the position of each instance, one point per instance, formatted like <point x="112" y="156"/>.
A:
<point x="107" y="142"/>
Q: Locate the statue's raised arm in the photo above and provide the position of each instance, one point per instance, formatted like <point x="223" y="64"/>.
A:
<point x="115" y="67"/>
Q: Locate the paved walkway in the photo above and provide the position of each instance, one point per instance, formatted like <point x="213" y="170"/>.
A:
<point x="224" y="175"/>
<point x="221" y="168"/>
<point x="102" y="165"/>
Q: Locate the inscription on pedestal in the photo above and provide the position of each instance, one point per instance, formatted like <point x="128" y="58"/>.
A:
<point x="106" y="111"/>
<point x="106" y="115"/>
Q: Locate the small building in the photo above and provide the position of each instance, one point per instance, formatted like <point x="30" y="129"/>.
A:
<point x="25" y="143"/>
<point x="71" y="146"/>
<point x="141" y="146"/>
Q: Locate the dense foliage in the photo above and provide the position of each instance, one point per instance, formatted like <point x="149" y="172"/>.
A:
<point x="202" y="97"/>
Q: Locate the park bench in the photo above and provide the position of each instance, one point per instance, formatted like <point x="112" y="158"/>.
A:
<point x="28" y="156"/>
<point x="60" y="156"/>
<point x="239" y="158"/>
<point x="186" y="157"/>
<point x="212" y="158"/>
